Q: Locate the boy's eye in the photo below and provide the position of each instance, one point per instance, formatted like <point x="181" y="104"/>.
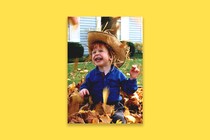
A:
<point x="100" y="50"/>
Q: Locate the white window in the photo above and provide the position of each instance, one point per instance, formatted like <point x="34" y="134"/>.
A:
<point x="124" y="32"/>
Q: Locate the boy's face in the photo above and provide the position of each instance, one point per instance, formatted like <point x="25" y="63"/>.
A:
<point x="100" y="56"/>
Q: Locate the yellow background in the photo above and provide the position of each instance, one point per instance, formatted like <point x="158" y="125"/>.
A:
<point x="33" y="69"/>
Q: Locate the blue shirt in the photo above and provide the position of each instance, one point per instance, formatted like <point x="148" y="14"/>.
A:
<point x="96" y="81"/>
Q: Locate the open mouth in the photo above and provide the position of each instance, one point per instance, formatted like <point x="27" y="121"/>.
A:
<point x="98" y="58"/>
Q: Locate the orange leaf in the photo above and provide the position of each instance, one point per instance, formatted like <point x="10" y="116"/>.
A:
<point x="130" y="119"/>
<point x="138" y="118"/>
<point x="73" y="103"/>
<point x="95" y="121"/>
<point x="75" y="119"/>
<point x="71" y="88"/>
<point x="105" y="94"/>
<point x="108" y="109"/>
<point x="105" y="118"/>
<point x="126" y="112"/>
<point x="99" y="109"/>
<point x="85" y="107"/>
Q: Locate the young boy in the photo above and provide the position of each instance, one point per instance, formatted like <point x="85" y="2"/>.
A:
<point x="107" y="53"/>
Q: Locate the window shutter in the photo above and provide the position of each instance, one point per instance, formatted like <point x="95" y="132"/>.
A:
<point x="135" y="29"/>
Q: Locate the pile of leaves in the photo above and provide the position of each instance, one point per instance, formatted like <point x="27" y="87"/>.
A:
<point x="80" y="111"/>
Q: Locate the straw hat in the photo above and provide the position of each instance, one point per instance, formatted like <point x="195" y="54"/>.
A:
<point x="121" y="50"/>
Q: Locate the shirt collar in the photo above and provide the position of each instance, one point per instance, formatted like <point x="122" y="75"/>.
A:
<point x="112" y="69"/>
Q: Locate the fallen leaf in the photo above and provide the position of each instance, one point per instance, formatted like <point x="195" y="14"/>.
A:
<point x="133" y="103"/>
<point x="126" y="112"/>
<point x="99" y="109"/>
<point x="74" y="102"/>
<point x="95" y="121"/>
<point x="140" y="92"/>
<point x="118" y="122"/>
<point x="105" y="118"/>
<point x="108" y="109"/>
<point x="80" y="83"/>
<point x="85" y="71"/>
<point x="130" y="119"/>
<point x="88" y="116"/>
<point x="71" y="88"/>
<point x="75" y="119"/>
<point x="138" y="118"/>
<point x="79" y="108"/>
<point x="85" y="107"/>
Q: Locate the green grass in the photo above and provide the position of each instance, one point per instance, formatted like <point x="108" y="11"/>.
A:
<point x="77" y="71"/>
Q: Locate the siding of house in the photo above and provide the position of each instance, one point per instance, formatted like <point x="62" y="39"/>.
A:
<point x="135" y="29"/>
<point x="86" y="24"/>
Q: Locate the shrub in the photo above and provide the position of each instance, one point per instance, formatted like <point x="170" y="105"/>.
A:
<point x="139" y="47"/>
<point x="132" y="48"/>
<point x="84" y="58"/>
<point x="75" y="50"/>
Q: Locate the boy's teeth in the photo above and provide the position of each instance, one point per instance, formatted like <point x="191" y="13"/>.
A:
<point x="96" y="59"/>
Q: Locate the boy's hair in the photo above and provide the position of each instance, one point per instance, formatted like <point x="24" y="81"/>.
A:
<point x="109" y="48"/>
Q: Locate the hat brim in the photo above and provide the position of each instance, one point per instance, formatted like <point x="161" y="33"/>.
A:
<point x="119" y="48"/>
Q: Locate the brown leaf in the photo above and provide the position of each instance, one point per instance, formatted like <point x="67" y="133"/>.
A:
<point x="105" y="118"/>
<point x="99" y="109"/>
<point x="130" y="119"/>
<point x="71" y="88"/>
<point x="139" y="92"/>
<point x="126" y="112"/>
<point x="103" y="109"/>
<point x="108" y="109"/>
<point x="95" y="121"/>
<point x="88" y="116"/>
<point x="85" y="107"/>
<point x="138" y="118"/>
<point x="74" y="102"/>
<point x="105" y="94"/>
<point x="133" y="103"/>
<point x="80" y="83"/>
<point x="75" y="119"/>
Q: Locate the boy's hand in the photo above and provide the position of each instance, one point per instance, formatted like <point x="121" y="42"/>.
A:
<point x="84" y="92"/>
<point x="134" y="72"/>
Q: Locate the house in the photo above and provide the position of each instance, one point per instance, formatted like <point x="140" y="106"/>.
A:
<point x="131" y="29"/>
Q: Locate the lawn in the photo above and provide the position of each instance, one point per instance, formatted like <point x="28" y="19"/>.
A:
<point x="78" y="70"/>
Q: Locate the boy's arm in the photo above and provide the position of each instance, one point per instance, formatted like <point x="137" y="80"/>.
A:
<point x="84" y="88"/>
<point x="128" y="86"/>
<point x="86" y="83"/>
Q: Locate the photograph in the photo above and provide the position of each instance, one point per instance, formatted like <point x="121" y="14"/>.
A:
<point x="105" y="70"/>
